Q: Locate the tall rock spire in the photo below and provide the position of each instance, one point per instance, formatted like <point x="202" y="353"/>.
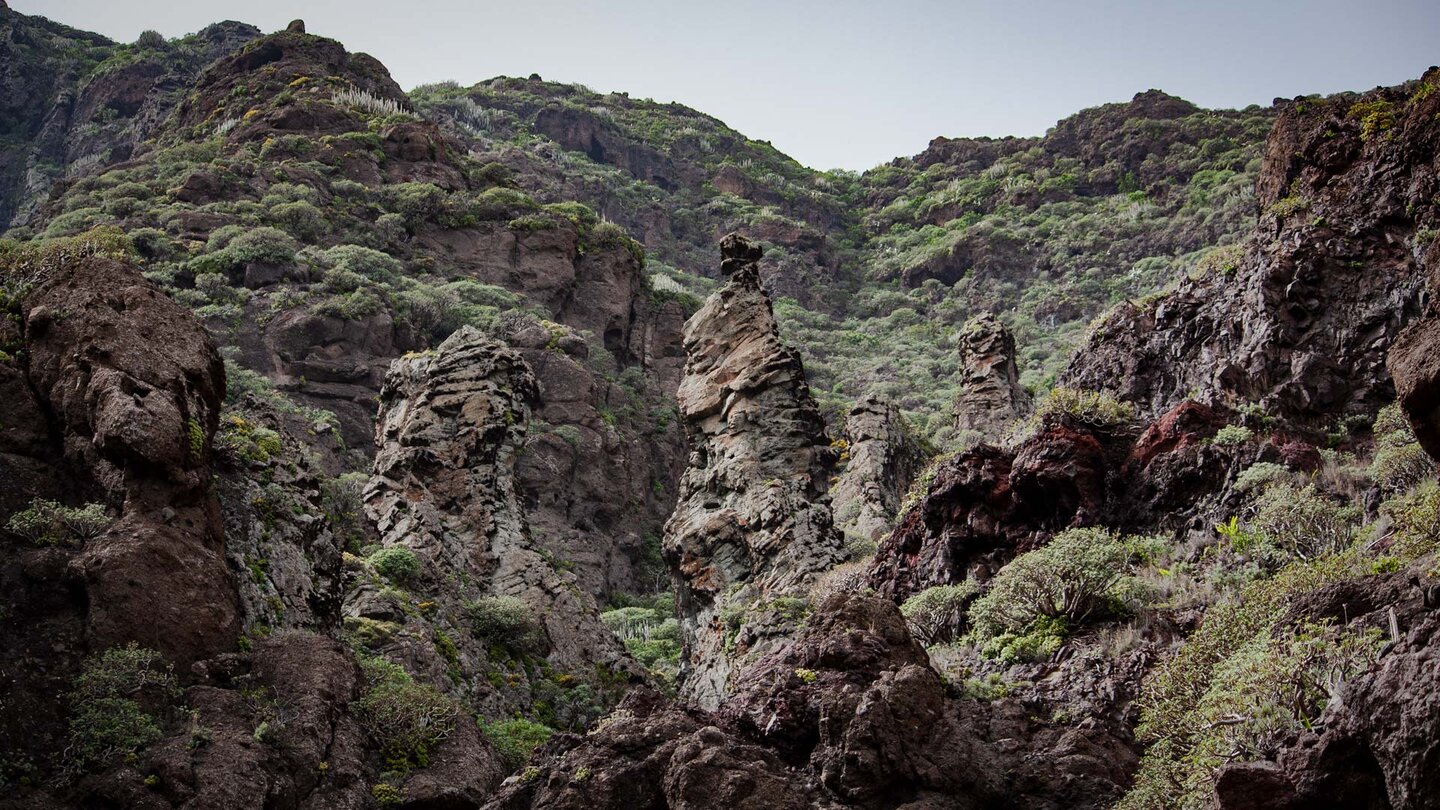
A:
<point x="753" y="523"/>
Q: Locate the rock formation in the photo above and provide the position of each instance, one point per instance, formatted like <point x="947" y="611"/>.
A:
<point x="882" y="458"/>
<point x="1302" y="321"/>
<point x="451" y="425"/>
<point x="849" y="715"/>
<point x="986" y="504"/>
<point x="991" y="398"/>
<point x="753" y="523"/>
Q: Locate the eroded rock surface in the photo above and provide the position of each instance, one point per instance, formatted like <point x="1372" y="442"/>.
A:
<point x="753" y="523"/>
<point x="884" y="457"/>
<point x="1301" y="319"/>
<point x="991" y="398"/>
<point x="444" y="486"/>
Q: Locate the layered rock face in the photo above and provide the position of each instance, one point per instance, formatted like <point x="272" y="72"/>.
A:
<point x="451" y="426"/>
<point x="753" y="523"/>
<point x="884" y="457"/>
<point x="991" y="397"/>
<point x="68" y="126"/>
<point x="1302" y="322"/>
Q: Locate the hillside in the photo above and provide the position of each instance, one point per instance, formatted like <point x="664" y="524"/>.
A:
<point x="518" y="446"/>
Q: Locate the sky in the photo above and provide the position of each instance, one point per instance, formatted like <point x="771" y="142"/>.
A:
<point x="846" y="84"/>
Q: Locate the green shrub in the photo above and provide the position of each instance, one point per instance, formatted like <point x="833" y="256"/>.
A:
<point x="353" y="306"/>
<point x="417" y="202"/>
<point x="49" y="523"/>
<point x="1260" y="475"/>
<point x="1095" y="408"/>
<point x="1078" y="574"/>
<point x="242" y="440"/>
<point x="501" y="204"/>
<point x="1237" y="691"/>
<point x="23" y="265"/>
<point x="300" y="219"/>
<point x="395" y="563"/>
<point x="1414" y="521"/>
<point x="405" y="719"/>
<point x="1375" y="117"/>
<point x="1301" y="522"/>
<point x="505" y="621"/>
<point x="515" y="740"/>
<point x="1399" y="462"/>
<point x="1233" y="436"/>
<point x="372" y="264"/>
<point x="937" y="615"/>
<point x="114" y="706"/>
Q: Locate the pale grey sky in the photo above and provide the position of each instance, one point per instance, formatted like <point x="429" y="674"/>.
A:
<point x="841" y="83"/>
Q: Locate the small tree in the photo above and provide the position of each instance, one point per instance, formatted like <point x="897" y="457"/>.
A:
<point x="1070" y="579"/>
<point x="937" y="615"/>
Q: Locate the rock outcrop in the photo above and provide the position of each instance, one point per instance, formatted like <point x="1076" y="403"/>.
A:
<point x="451" y="425"/>
<point x="112" y="395"/>
<point x="986" y="504"/>
<point x="991" y="398"/>
<point x="849" y="715"/>
<point x="882" y="457"/>
<point x="753" y="523"/>
<point x="1302" y="320"/>
<point x="67" y="118"/>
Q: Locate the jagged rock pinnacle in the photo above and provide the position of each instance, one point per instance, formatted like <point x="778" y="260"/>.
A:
<point x="738" y="253"/>
<point x="295" y="27"/>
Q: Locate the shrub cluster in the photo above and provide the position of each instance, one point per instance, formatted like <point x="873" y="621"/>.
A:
<point x="116" y="704"/>
<point x="405" y="719"/>
<point x="48" y="523"/>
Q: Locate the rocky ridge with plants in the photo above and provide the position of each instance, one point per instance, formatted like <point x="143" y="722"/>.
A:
<point x="346" y="430"/>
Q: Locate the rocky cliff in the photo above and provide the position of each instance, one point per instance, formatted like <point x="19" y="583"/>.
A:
<point x="752" y="526"/>
<point x="444" y="488"/>
<point x="881" y="458"/>
<point x="1298" y="320"/>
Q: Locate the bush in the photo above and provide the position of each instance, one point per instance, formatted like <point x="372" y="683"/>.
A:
<point x="1095" y="408"/>
<point x="937" y="615"/>
<point x="1260" y="475"/>
<point x="24" y="265"/>
<point x="1233" y="436"/>
<point x="1241" y="682"/>
<point x="501" y="204"/>
<point x="404" y="718"/>
<point x="417" y="202"/>
<point x="352" y="306"/>
<point x="515" y="740"/>
<point x="505" y="621"/>
<point x="114" y="706"/>
<point x="49" y="523"/>
<point x="1400" y="462"/>
<point x="372" y="264"/>
<point x="1075" y="576"/>
<point x="395" y="563"/>
<point x="300" y="219"/>
<point x="1414" y="521"/>
<point x="1301" y="522"/>
<point x="243" y="441"/>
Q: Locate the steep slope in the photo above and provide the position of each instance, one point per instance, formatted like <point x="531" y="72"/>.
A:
<point x="75" y="101"/>
<point x="1299" y="323"/>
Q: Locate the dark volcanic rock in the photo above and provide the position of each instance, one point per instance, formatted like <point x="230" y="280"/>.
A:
<point x="1331" y="276"/>
<point x="884" y="459"/>
<point x="450" y="427"/>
